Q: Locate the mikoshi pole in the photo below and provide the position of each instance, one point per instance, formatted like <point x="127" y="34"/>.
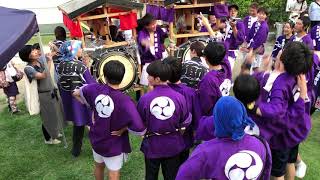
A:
<point x="55" y="85"/>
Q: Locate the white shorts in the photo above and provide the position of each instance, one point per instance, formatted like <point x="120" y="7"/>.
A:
<point x="112" y="163"/>
<point x="144" y="75"/>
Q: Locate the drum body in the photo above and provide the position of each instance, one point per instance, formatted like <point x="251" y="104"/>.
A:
<point x="124" y="57"/>
<point x="183" y="52"/>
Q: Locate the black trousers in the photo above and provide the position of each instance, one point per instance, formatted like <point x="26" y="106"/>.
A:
<point x="169" y="166"/>
<point x="78" y="132"/>
<point x="45" y="133"/>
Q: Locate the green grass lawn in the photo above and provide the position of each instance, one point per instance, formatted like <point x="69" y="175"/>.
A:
<point x="23" y="154"/>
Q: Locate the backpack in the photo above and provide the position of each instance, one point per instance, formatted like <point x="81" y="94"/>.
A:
<point x="3" y="82"/>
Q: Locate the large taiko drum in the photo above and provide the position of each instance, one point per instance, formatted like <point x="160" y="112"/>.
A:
<point x="183" y="52"/>
<point x="130" y="64"/>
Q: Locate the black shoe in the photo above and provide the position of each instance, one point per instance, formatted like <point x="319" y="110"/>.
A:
<point x="76" y="151"/>
<point x="9" y="108"/>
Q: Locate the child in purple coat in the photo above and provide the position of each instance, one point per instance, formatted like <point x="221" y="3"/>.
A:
<point x="113" y="113"/>
<point x="165" y="114"/>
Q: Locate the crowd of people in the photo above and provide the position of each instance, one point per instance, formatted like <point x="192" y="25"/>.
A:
<point x="253" y="135"/>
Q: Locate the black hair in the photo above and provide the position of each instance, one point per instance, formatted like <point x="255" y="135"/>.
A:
<point x="291" y="23"/>
<point x="60" y="33"/>
<point x="25" y="52"/>
<point x="306" y="22"/>
<point x="233" y="6"/>
<point x="214" y="53"/>
<point x="36" y="46"/>
<point x="176" y="68"/>
<point x="113" y="72"/>
<point x="254" y="5"/>
<point x="263" y="10"/>
<point x="198" y="47"/>
<point x="297" y="58"/>
<point x="160" y="69"/>
<point x="246" y="88"/>
<point x="147" y="19"/>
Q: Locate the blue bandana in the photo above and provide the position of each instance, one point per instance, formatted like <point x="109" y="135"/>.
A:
<point x="230" y="118"/>
<point x="69" y="50"/>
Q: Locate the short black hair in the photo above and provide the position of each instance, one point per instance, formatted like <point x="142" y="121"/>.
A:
<point x="254" y="5"/>
<point x="263" y="10"/>
<point x="198" y="47"/>
<point x="297" y="58"/>
<point x="246" y="88"/>
<point x="60" y="33"/>
<point x="148" y="19"/>
<point x="25" y="52"/>
<point x="306" y="22"/>
<point x="113" y="72"/>
<point x="36" y="46"/>
<point x="291" y="23"/>
<point x="215" y="53"/>
<point x="233" y="6"/>
<point x="176" y="68"/>
<point x="160" y="69"/>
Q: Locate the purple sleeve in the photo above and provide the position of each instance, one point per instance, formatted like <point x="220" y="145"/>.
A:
<point x="141" y="110"/>
<point x="296" y="111"/>
<point x="196" y="112"/>
<point x="309" y="43"/>
<point x="251" y="32"/>
<point x="274" y="109"/>
<point x="208" y="98"/>
<point x="85" y="95"/>
<point x="163" y="35"/>
<point x="88" y="77"/>
<point x="241" y="33"/>
<point x="277" y="47"/>
<point x="136" y="125"/>
<point x="186" y="115"/>
<point x="141" y="37"/>
<point x="205" y="130"/>
<point x="260" y="38"/>
<point x="268" y="163"/>
<point x="192" y="169"/>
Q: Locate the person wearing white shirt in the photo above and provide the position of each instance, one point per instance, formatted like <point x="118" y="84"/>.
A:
<point x="314" y="13"/>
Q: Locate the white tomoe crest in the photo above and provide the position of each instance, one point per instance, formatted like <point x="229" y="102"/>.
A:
<point x="104" y="105"/>
<point x="225" y="87"/>
<point x="162" y="107"/>
<point x="243" y="165"/>
<point x="252" y="130"/>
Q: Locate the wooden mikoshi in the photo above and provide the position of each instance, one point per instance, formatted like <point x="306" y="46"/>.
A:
<point x="97" y="14"/>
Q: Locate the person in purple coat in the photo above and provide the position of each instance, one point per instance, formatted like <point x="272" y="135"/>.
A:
<point x="212" y="20"/>
<point x="113" y="113"/>
<point x="282" y="40"/>
<point x="217" y="82"/>
<point x="192" y="103"/>
<point x="315" y="36"/>
<point x="234" y="35"/>
<point x="251" y="18"/>
<point x="165" y="114"/>
<point x="232" y="154"/>
<point x="150" y="44"/>
<point x="301" y="28"/>
<point x="72" y="74"/>
<point x="281" y="111"/>
<point x="246" y="89"/>
<point x="257" y="37"/>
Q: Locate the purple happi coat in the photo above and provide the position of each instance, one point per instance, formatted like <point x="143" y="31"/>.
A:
<point x="73" y="109"/>
<point x="279" y="45"/>
<point x="258" y="35"/>
<point x="145" y="53"/>
<point x="220" y="158"/>
<point x="248" y="22"/>
<point x="215" y="83"/>
<point x="163" y="111"/>
<point x="231" y="42"/>
<point x="283" y="111"/>
<point x="305" y="39"/>
<point x="113" y="111"/>
<point x="205" y="130"/>
<point x="315" y="36"/>
<point x="193" y="107"/>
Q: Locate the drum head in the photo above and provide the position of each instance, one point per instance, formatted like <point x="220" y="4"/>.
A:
<point x="183" y="52"/>
<point x="130" y="74"/>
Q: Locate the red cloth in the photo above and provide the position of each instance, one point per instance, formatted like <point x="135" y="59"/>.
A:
<point x="128" y="21"/>
<point x="74" y="27"/>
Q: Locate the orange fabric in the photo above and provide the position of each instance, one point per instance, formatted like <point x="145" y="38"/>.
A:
<point x="74" y="27"/>
<point x="128" y="21"/>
